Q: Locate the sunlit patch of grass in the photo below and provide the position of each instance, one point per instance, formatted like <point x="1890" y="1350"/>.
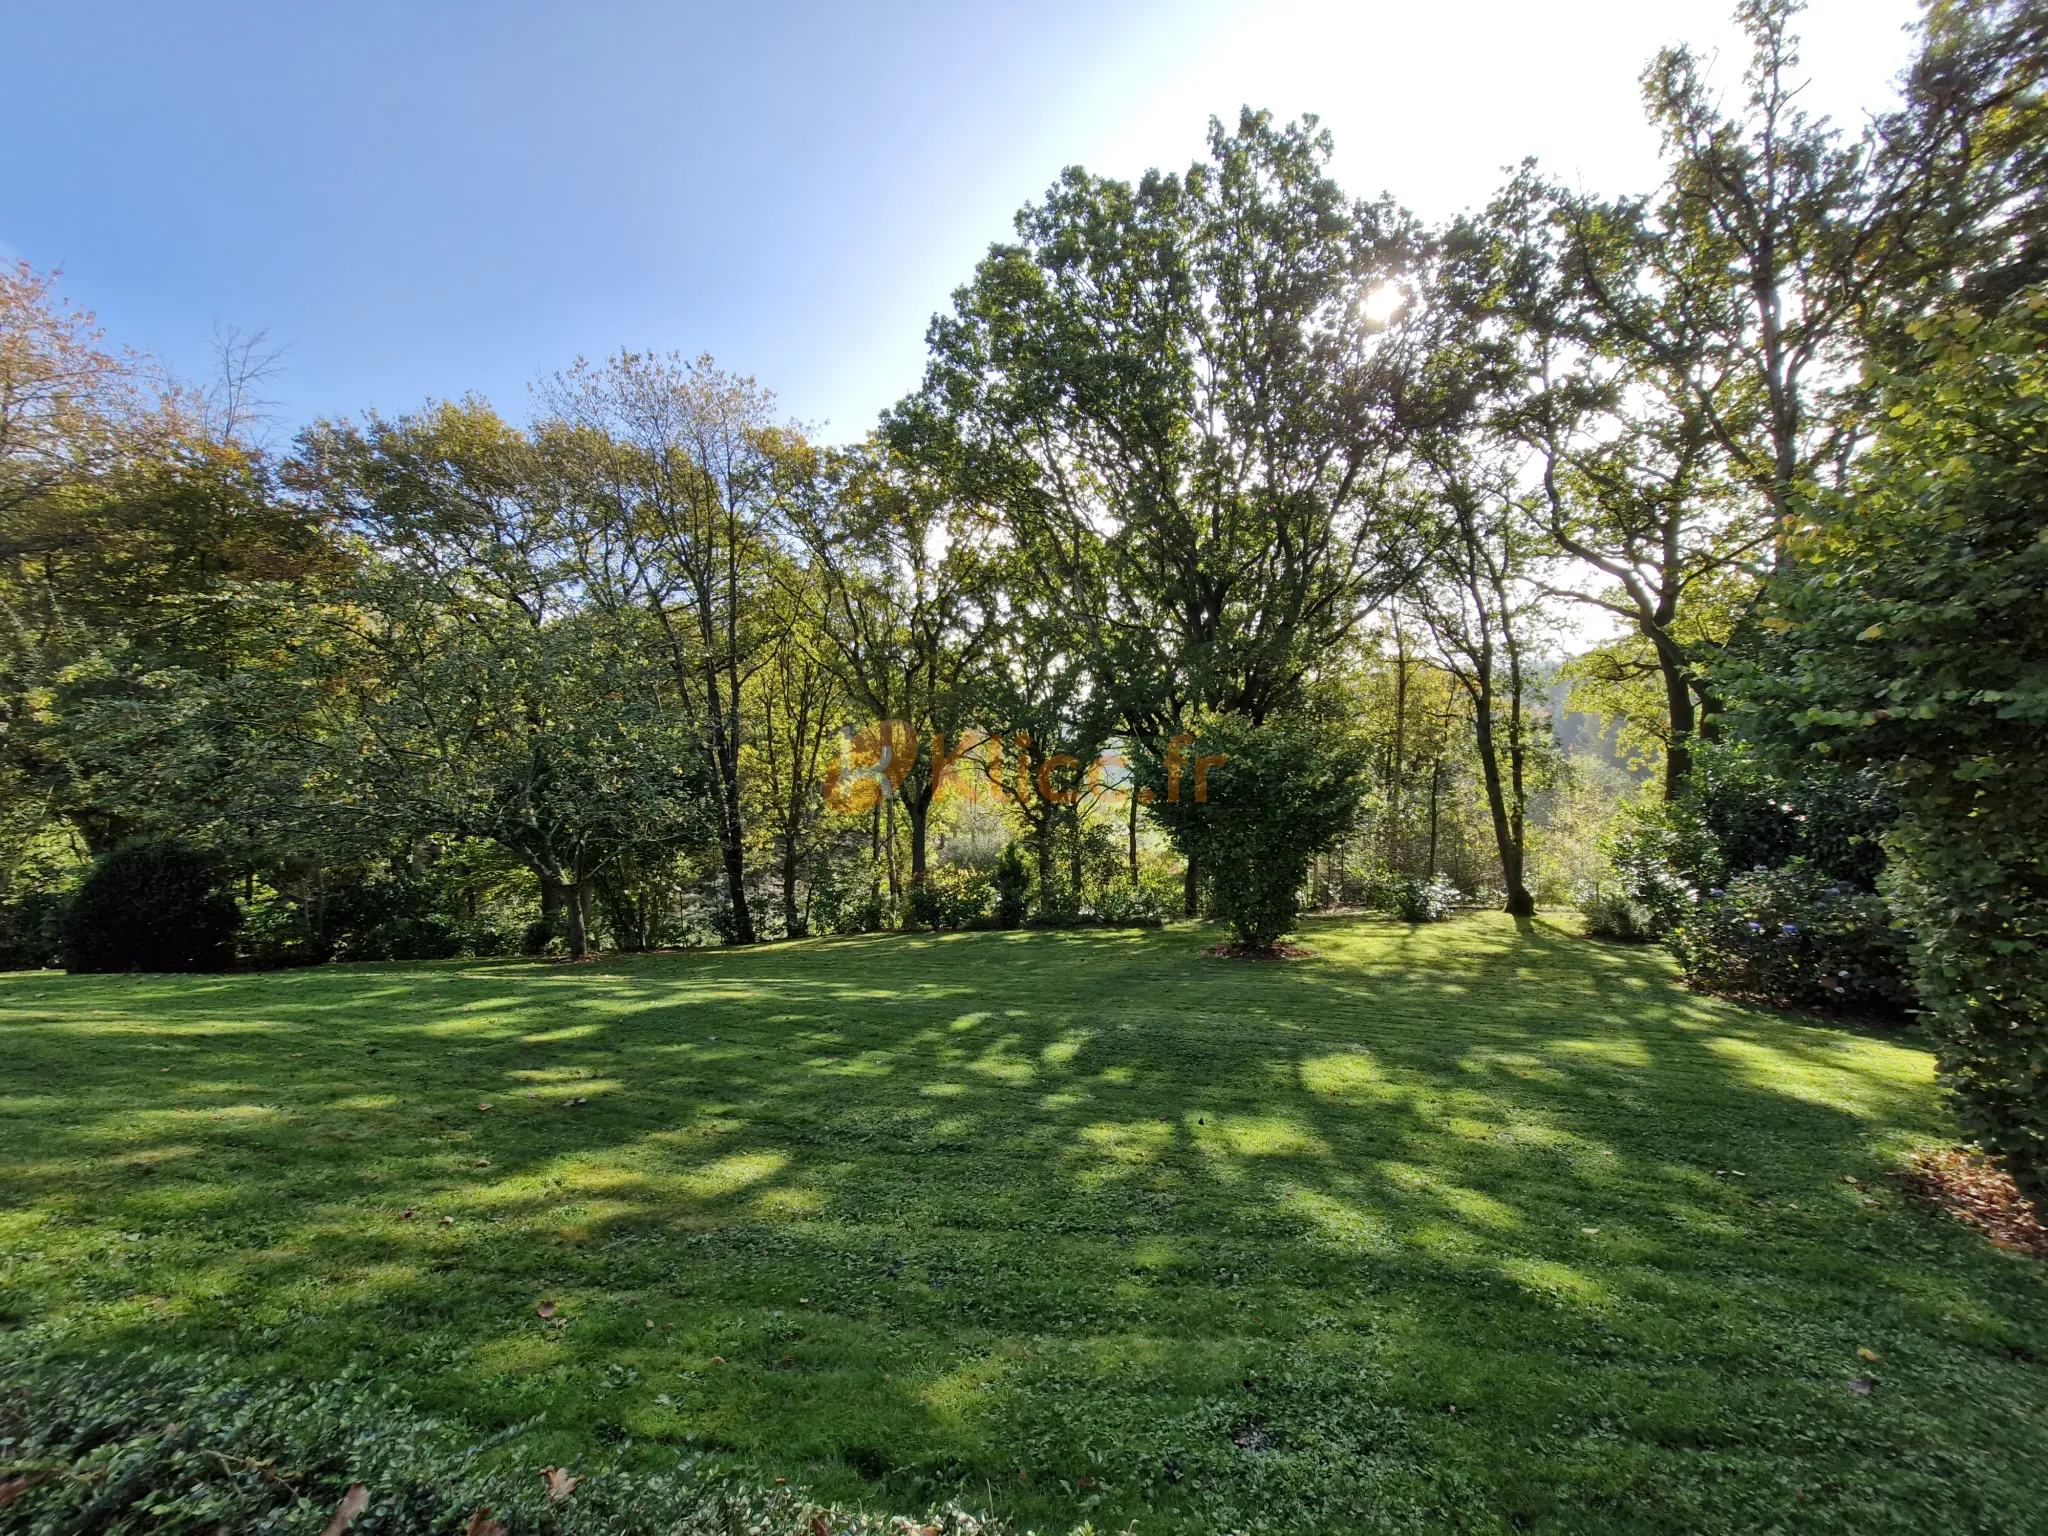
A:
<point x="1478" y="1224"/>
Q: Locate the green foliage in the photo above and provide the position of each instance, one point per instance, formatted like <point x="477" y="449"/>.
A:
<point x="1281" y="793"/>
<point x="1173" y="391"/>
<point x="151" y="904"/>
<point x="859" y="1171"/>
<point x="1416" y="900"/>
<point x="32" y="930"/>
<point x="1795" y="936"/>
<point x="1744" y="810"/>
<point x="1913" y="636"/>
<point x="1613" y="915"/>
<point x="140" y="1442"/>
<point x="1012" y="883"/>
<point x="1124" y="905"/>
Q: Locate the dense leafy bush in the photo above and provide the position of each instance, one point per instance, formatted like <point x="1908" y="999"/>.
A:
<point x="1744" y="809"/>
<point x="1912" y="637"/>
<point x="151" y="904"/>
<point x="31" y="930"/>
<point x="1012" y="882"/>
<point x="117" y="1443"/>
<point x="1277" y="795"/>
<point x="1416" y="900"/>
<point x="1612" y="914"/>
<point x="1129" y="906"/>
<point x="1795" y="936"/>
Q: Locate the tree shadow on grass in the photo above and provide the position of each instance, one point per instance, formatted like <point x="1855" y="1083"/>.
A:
<point x="912" y="1214"/>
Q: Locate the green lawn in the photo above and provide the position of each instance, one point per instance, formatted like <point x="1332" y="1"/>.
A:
<point x="1460" y="1226"/>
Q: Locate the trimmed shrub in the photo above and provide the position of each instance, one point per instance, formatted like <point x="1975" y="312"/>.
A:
<point x="1277" y="795"/>
<point x="151" y="904"/>
<point x="1797" y="938"/>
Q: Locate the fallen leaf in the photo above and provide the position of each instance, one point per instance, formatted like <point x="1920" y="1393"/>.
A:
<point x="351" y="1505"/>
<point x="483" y="1106"/>
<point x="447" y="1221"/>
<point x="1861" y="1385"/>
<point x="819" y="1527"/>
<point x="560" y="1484"/>
<point x="481" y="1524"/>
<point x="406" y="1214"/>
<point x="482" y="1162"/>
<point x="718" y="1359"/>
<point x="1867" y="1354"/>
<point x="13" y="1489"/>
<point x="650" y="1325"/>
<point x="546" y="1309"/>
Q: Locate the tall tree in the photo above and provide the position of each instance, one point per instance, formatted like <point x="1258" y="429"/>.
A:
<point x="479" y="695"/>
<point x="1183" y="398"/>
<point x="901" y="601"/>
<point x="1482" y="603"/>
<point x="669" y="465"/>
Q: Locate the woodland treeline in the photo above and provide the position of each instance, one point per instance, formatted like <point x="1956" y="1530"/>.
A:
<point x="1224" y="467"/>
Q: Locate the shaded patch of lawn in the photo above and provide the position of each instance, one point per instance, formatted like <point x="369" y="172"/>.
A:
<point x="1465" y="1223"/>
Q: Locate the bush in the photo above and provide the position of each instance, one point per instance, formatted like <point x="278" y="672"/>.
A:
<point x="1798" y="938"/>
<point x="1416" y="900"/>
<point x="924" y="905"/>
<point x="1278" y="794"/>
<point x="276" y="932"/>
<point x="31" y="931"/>
<point x="1744" y="809"/>
<point x="1012" y="882"/>
<point x="1614" y="915"/>
<point x="1129" y="906"/>
<point x="152" y="904"/>
<point x="1911" y="636"/>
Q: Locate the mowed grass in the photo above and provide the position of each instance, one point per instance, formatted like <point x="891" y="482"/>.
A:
<point x="1466" y="1227"/>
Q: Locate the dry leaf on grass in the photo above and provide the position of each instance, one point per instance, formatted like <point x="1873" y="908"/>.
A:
<point x="819" y="1527"/>
<point x="352" y="1504"/>
<point x="546" y="1309"/>
<point x="14" y="1488"/>
<point x="1974" y="1189"/>
<point x="481" y="1524"/>
<point x="560" y="1484"/>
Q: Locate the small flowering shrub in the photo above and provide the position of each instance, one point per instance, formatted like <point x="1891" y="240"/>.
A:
<point x="1415" y="900"/>
<point x="1796" y="937"/>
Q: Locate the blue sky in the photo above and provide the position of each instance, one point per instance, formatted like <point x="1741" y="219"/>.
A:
<point x="429" y="198"/>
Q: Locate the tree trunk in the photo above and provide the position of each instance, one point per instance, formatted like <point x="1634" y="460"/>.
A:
<point x="577" y="908"/>
<point x="1505" y="832"/>
<point x="1436" y="770"/>
<point x="1191" y="889"/>
<point x="1132" y="788"/>
<point x="919" y="812"/>
<point x="793" y="924"/>
<point x="1682" y="720"/>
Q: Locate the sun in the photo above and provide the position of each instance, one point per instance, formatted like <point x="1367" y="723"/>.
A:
<point x="1384" y="302"/>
